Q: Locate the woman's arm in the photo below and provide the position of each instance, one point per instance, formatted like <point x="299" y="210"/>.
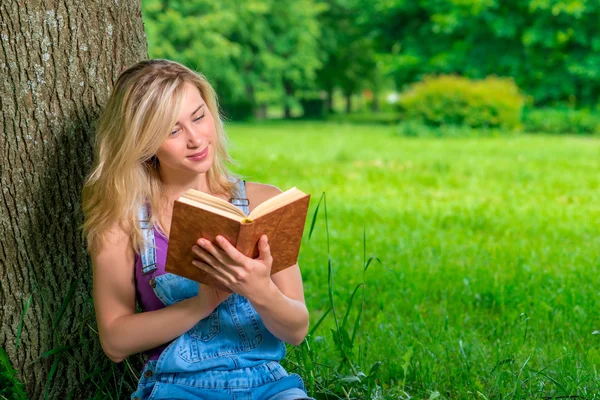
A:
<point x="281" y="306"/>
<point x="122" y="331"/>
<point x="278" y="298"/>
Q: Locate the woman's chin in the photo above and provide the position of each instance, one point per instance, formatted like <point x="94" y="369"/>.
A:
<point x="200" y="168"/>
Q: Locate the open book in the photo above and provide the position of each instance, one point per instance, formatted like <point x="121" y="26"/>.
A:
<point x="200" y="215"/>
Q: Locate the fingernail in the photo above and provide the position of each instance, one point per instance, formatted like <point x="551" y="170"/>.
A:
<point x="202" y="242"/>
<point x="219" y="239"/>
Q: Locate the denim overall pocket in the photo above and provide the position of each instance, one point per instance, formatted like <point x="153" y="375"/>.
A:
<point x="231" y="329"/>
<point x="246" y="322"/>
<point x="171" y="288"/>
<point x="207" y="328"/>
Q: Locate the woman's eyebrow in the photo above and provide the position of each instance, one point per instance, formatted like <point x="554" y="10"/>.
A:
<point x="193" y="112"/>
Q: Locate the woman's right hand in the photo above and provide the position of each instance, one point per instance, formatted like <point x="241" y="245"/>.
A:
<point x="209" y="298"/>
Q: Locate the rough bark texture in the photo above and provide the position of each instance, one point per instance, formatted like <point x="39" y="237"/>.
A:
<point x="58" y="62"/>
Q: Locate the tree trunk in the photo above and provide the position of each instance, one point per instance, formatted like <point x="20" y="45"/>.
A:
<point x="289" y="93"/>
<point x="329" y="100"/>
<point x="348" y="102"/>
<point x="58" y="61"/>
<point x="375" y="103"/>
<point x="250" y="94"/>
<point x="261" y="112"/>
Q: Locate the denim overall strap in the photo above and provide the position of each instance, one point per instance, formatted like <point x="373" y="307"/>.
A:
<point x="148" y="252"/>
<point x="241" y="201"/>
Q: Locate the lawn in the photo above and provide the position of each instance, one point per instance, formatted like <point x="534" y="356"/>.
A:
<point x="490" y="247"/>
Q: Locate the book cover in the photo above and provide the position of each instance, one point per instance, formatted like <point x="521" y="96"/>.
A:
<point x="283" y="226"/>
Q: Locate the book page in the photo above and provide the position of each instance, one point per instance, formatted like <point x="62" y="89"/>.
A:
<point x="201" y="199"/>
<point x="214" y="210"/>
<point x="276" y="202"/>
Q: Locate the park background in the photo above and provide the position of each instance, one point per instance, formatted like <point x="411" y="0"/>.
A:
<point x="451" y="149"/>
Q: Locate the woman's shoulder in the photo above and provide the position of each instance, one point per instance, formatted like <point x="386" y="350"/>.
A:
<point x="117" y="236"/>
<point x="259" y="192"/>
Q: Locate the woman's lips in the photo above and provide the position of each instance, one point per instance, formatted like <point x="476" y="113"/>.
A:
<point x="199" y="156"/>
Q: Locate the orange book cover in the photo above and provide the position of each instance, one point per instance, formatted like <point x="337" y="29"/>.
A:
<point x="283" y="225"/>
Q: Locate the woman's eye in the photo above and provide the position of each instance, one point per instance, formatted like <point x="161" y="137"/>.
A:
<point x="199" y="118"/>
<point x="174" y="132"/>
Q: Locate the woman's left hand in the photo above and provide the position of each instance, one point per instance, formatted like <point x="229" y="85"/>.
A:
<point x="243" y="275"/>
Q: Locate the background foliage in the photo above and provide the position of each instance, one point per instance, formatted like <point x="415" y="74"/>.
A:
<point x="267" y="53"/>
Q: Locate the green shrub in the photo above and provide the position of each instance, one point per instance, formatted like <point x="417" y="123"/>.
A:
<point x="313" y="108"/>
<point x="242" y="110"/>
<point x="10" y="386"/>
<point x="413" y="128"/>
<point x="562" y="121"/>
<point x="454" y="100"/>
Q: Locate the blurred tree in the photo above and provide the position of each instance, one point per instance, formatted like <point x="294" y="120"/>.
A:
<point x="256" y="52"/>
<point x="261" y="52"/>
<point x="550" y="47"/>
<point x="349" y="48"/>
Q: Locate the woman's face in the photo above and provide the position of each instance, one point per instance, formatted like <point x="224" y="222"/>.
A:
<point x="191" y="144"/>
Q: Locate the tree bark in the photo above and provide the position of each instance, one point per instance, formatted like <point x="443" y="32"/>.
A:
<point x="58" y="62"/>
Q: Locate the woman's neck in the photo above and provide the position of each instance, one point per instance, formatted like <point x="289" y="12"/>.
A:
<point x="176" y="183"/>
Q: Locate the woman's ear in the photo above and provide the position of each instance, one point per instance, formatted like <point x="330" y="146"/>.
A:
<point x="152" y="161"/>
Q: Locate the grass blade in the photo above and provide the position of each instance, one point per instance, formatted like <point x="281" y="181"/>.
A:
<point x="357" y="323"/>
<point x="57" y="350"/>
<point x="8" y="372"/>
<point x="314" y="328"/>
<point x="63" y="306"/>
<point x="330" y="292"/>
<point x="314" y="219"/>
<point x="51" y="375"/>
<point x="350" y="305"/>
<point x="20" y="327"/>
<point x="133" y="373"/>
<point x="371" y="259"/>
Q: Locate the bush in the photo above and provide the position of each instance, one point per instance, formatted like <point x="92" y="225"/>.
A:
<point x="412" y="128"/>
<point x="242" y="110"/>
<point x="10" y="386"/>
<point x="562" y="121"/>
<point x="454" y="100"/>
<point x="313" y="108"/>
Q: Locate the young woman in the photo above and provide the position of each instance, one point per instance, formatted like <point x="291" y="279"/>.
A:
<point x="160" y="134"/>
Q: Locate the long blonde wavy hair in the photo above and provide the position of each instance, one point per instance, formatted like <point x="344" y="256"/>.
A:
<point x="139" y="116"/>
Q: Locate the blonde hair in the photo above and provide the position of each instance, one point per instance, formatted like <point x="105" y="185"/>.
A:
<point x="139" y="116"/>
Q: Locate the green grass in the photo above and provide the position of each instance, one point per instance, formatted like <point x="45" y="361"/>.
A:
<point x="490" y="247"/>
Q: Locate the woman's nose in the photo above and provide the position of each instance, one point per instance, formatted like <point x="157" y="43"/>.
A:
<point x="195" y="138"/>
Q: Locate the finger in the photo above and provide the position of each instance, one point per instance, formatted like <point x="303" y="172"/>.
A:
<point x="223" y="263"/>
<point x="216" y="273"/>
<point x="217" y="254"/>
<point x="229" y="249"/>
<point x="205" y="256"/>
<point x="264" y="250"/>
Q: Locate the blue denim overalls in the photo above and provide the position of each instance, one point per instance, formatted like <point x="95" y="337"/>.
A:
<point x="228" y="355"/>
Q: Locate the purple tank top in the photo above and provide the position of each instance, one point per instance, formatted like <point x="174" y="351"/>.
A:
<point x="144" y="293"/>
